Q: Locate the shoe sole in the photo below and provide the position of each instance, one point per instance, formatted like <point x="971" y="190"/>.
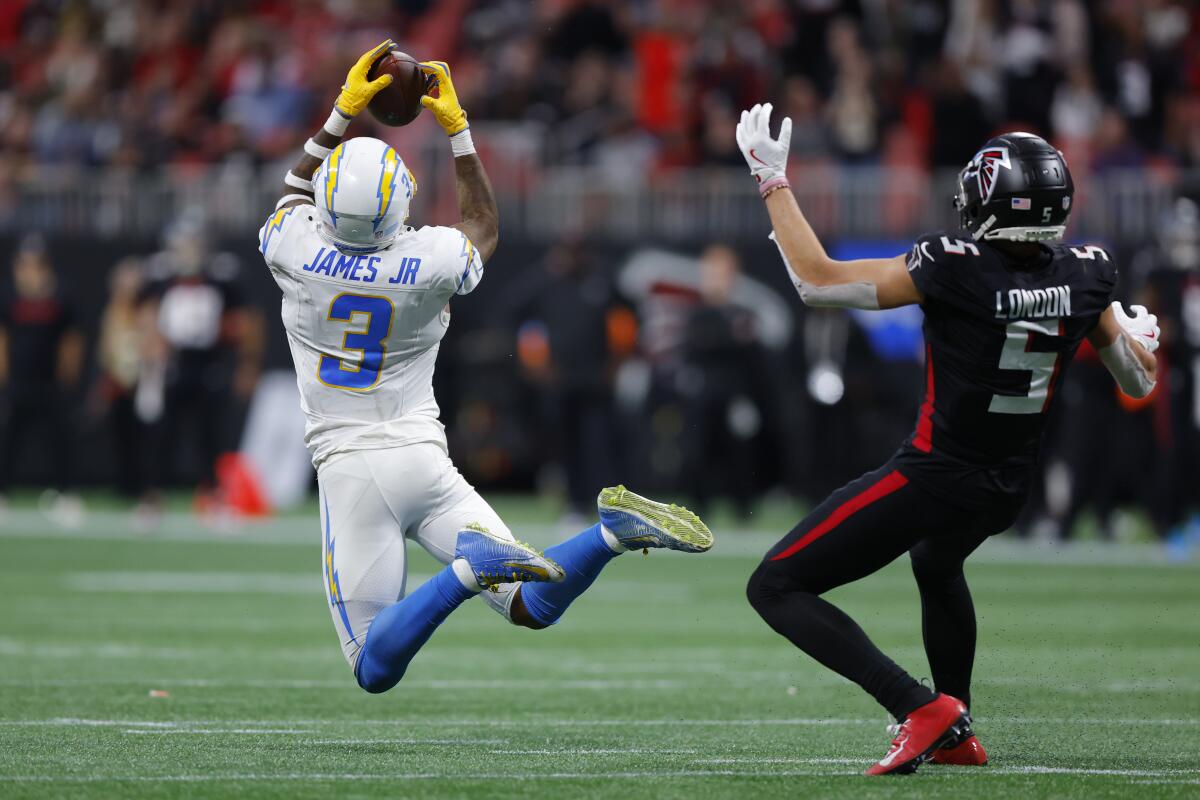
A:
<point x="669" y="526"/>
<point x="960" y="729"/>
<point x="541" y="570"/>
<point x="933" y="757"/>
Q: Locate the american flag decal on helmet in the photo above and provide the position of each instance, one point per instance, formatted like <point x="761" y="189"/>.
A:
<point x="987" y="163"/>
<point x="1022" y="203"/>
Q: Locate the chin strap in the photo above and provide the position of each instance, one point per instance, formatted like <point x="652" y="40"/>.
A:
<point x="1046" y="233"/>
<point x="291" y="198"/>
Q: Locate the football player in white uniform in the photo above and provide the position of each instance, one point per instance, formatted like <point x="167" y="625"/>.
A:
<point x="365" y="306"/>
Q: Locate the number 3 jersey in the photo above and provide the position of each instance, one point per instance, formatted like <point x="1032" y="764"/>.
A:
<point x="364" y="328"/>
<point x="999" y="334"/>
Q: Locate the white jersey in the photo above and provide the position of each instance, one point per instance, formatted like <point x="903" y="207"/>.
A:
<point x="364" y="328"/>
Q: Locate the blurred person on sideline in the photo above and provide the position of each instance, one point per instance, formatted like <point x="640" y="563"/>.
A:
<point x="1173" y="283"/>
<point x="209" y="347"/>
<point x="721" y="353"/>
<point x="570" y="306"/>
<point x="122" y="355"/>
<point x="41" y="357"/>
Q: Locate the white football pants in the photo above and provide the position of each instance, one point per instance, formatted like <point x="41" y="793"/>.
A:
<point x="371" y="502"/>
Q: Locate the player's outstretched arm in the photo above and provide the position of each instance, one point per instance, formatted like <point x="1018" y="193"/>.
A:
<point x="1126" y="346"/>
<point x="356" y="92"/>
<point x="476" y="201"/>
<point x="871" y="283"/>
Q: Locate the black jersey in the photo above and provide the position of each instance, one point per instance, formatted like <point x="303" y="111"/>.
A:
<point x="1176" y="300"/>
<point x="192" y="312"/>
<point x="35" y="328"/>
<point x="998" y="335"/>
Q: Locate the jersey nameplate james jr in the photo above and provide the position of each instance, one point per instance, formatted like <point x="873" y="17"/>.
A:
<point x="364" y="328"/>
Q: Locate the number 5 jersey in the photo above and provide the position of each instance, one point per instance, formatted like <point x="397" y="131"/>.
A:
<point x="999" y="334"/>
<point x="365" y="327"/>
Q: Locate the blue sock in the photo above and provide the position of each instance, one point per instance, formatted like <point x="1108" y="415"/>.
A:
<point x="402" y="629"/>
<point x="581" y="557"/>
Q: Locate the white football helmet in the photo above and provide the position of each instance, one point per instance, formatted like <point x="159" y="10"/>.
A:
<point x="363" y="192"/>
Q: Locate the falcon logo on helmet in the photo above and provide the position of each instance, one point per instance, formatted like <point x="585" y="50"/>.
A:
<point x="987" y="163"/>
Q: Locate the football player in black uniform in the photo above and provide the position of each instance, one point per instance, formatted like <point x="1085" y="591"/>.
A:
<point x="1006" y="305"/>
<point x="1173" y="286"/>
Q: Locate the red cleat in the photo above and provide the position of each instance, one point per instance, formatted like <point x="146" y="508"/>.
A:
<point x="966" y="752"/>
<point x="937" y="723"/>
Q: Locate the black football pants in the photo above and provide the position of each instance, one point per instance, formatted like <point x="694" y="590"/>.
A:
<point x="857" y="530"/>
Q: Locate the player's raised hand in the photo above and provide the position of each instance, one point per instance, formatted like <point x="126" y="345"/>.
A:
<point x="1142" y="326"/>
<point x="357" y="91"/>
<point x="445" y="106"/>
<point x="766" y="156"/>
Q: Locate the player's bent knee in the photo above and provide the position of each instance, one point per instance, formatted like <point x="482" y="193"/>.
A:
<point x="376" y="675"/>
<point x="771" y="581"/>
<point x="374" y="681"/>
<point x="760" y="589"/>
<point x="530" y="623"/>
<point x="376" y="686"/>
<point x="932" y="571"/>
<point x="518" y="614"/>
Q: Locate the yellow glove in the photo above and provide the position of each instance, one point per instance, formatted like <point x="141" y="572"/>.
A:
<point x="445" y="107"/>
<point x="357" y="91"/>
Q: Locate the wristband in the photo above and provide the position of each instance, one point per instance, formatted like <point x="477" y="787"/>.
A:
<point x="766" y="187"/>
<point x="296" y="182"/>
<point x="337" y="123"/>
<point x="317" y="151"/>
<point x="461" y="144"/>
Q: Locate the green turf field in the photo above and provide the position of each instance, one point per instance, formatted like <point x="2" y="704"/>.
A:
<point x="660" y="683"/>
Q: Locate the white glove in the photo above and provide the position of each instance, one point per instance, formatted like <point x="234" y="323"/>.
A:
<point x="767" y="157"/>
<point x="1142" y="326"/>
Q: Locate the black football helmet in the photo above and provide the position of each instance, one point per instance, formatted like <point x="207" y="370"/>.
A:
<point x="1017" y="187"/>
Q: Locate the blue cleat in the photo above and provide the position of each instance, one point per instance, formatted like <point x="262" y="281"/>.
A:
<point x="494" y="560"/>
<point x="639" y="523"/>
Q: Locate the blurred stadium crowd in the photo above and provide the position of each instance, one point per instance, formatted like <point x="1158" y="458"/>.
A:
<point x="136" y="363"/>
<point x="653" y="82"/>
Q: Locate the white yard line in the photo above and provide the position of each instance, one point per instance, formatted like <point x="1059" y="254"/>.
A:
<point x="348" y="683"/>
<point x="219" y="731"/>
<point x="412" y="742"/>
<point x="16" y="648"/>
<point x="472" y="723"/>
<point x="1028" y="769"/>
<point x="192" y="582"/>
<point x="782" y="760"/>
<point x="596" y="751"/>
<point x="1180" y="684"/>
<point x="198" y="683"/>
<point x="575" y="722"/>
<point x="1172" y="775"/>
<point x="201" y="582"/>
<point x="303" y="531"/>
<point x="730" y="678"/>
<point x="411" y="776"/>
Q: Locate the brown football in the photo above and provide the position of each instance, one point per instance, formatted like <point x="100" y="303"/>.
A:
<point x="399" y="103"/>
